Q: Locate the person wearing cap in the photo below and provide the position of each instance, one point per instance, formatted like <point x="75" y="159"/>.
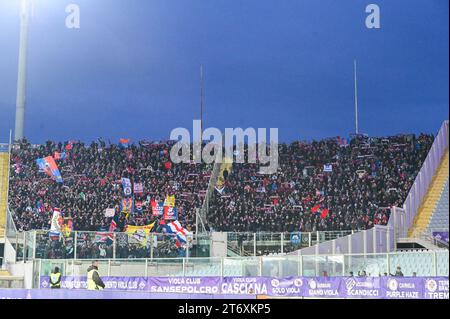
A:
<point x="55" y="279"/>
<point x="94" y="282"/>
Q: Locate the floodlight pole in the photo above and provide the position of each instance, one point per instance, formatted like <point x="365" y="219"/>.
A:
<point x="201" y="103"/>
<point x="22" y="71"/>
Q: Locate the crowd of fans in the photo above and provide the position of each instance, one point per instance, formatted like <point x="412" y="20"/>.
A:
<point x="367" y="177"/>
<point x="92" y="183"/>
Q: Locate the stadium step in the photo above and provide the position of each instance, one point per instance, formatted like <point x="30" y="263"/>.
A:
<point x="431" y="199"/>
<point x="4" y="273"/>
<point x="4" y="162"/>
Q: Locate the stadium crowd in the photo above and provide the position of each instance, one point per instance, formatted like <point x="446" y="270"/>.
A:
<point x="92" y="183"/>
<point x="323" y="185"/>
<point x="355" y="190"/>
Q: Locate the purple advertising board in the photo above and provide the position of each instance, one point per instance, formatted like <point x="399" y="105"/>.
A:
<point x="441" y="235"/>
<point x="104" y="294"/>
<point x="435" y="288"/>
<point x="302" y="287"/>
<point x="190" y="285"/>
<point x="361" y="287"/>
<point x="402" y="287"/>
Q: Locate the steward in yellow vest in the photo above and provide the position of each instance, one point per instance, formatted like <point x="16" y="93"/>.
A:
<point x="55" y="279"/>
<point x="94" y="282"/>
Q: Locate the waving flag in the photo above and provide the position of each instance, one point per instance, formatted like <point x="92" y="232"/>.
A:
<point x="114" y="221"/>
<point x="324" y="213"/>
<point x="318" y="209"/>
<point x="181" y="232"/>
<point x="328" y="168"/>
<point x="343" y="142"/>
<point x="48" y="165"/>
<point x="315" y="208"/>
<point x="124" y="142"/>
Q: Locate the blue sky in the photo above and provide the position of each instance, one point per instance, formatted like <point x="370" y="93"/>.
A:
<point x="132" y="69"/>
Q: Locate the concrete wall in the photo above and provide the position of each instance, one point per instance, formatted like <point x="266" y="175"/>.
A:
<point x="218" y="244"/>
<point x="23" y="270"/>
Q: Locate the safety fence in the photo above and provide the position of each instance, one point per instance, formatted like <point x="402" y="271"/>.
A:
<point x="269" y="243"/>
<point x="38" y="244"/>
<point x="418" y="263"/>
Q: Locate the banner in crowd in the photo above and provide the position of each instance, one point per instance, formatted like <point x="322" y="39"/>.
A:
<point x="127" y="206"/>
<point x="67" y="227"/>
<point x="56" y="223"/>
<point x="306" y="287"/>
<point x="170" y="213"/>
<point x="157" y="208"/>
<point x="126" y="184"/>
<point x="48" y="165"/>
<point x="170" y="201"/>
<point x="138" y="188"/>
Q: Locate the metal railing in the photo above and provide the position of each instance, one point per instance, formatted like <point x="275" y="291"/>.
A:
<point x="423" y="180"/>
<point x="38" y="244"/>
<point x="266" y="243"/>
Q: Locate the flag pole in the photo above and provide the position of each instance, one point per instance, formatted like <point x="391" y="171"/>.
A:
<point x="356" y="97"/>
<point x="201" y="103"/>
